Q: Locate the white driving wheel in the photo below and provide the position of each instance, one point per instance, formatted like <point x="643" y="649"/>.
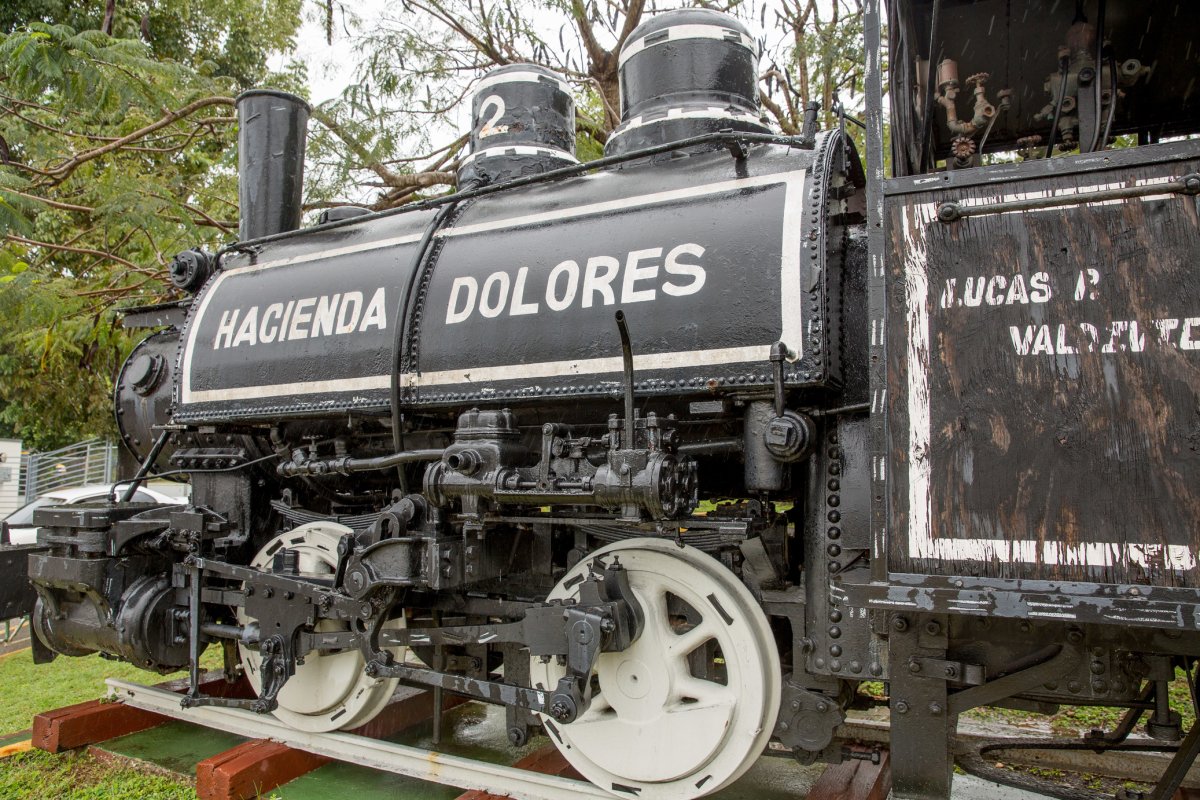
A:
<point x="690" y="706"/>
<point x="330" y="690"/>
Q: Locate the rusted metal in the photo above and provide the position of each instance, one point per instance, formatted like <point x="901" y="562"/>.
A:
<point x="1144" y="764"/>
<point x="854" y="780"/>
<point x="952" y="210"/>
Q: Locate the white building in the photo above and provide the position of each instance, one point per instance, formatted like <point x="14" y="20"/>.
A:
<point x="10" y="476"/>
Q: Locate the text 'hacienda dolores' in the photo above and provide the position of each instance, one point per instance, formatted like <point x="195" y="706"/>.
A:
<point x="307" y="318"/>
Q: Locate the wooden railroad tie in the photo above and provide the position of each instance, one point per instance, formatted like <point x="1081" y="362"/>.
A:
<point x="98" y="721"/>
<point x="260" y="765"/>
<point x="854" y="780"/>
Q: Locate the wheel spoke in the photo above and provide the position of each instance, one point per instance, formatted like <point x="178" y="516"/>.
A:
<point x="657" y="630"/>
<point x="682" y="644"/>
<point x="598" y="710"/>
<point x="706" y="694"/>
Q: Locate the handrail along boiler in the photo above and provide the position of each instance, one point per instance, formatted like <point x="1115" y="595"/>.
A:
<point x="669" y="452"/>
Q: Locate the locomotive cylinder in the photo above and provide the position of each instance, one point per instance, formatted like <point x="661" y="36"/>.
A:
<point x="271" y="137"/>
<point x="143" y="628"/>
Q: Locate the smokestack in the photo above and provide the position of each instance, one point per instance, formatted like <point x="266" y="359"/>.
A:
<point x="271" y="136"/>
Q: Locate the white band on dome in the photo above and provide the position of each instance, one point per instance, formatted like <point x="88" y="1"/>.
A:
<point x="520" y="150"/>
<point x="717" y="113"/>
<point x="529" y="76"/>
<point x="698" y="30"/>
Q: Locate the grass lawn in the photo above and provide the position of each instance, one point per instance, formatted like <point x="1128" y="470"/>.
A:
<point x="27" y="689"/>
<point x="1070" y="720"/>
<point x="78" y="776"/>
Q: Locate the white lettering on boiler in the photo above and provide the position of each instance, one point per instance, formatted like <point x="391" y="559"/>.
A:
<point x="643" y="275"/>
<point x="634" y="273"/>
<point x="308" y="317"/>
<point x="519" y="306"/>
<point x="498" y="281"/>
<point x="693" y="271"/>
<point x="555" y="300"/>
<point x="269" y="328"/>
<point x="594" y="282"/>
<point x="348" y="313"/>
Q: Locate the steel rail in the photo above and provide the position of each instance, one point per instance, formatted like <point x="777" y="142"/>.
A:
<point x="414" y="762"/>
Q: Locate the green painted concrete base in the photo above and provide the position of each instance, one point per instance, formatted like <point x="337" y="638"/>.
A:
<point x="472" y="731"/>
<point x="176" y="746"/>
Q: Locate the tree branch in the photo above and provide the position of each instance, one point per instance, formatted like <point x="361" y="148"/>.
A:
<point x="785" y="124"/>
<point x="86" y="251"/>
<point x="63" y="170"/>
<point x="632" y="18"/>
<point x="356" y="147"/>
<point x="51" y="203"/>
<point x="596" y="53"/>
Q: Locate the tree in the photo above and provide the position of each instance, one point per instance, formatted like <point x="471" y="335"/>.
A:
<point x="419" y="69"/>
<point x="113" y="157"/>
<point x="231" y="38"/>
<point x="823" y="60"/>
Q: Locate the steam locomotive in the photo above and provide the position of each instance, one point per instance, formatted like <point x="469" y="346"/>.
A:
<point x="668" y="452"/>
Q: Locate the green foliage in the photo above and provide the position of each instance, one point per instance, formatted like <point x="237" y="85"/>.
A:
<point x="228" y="38"/>
<point x="55" y="362"/>
<point x="115" y="154"/>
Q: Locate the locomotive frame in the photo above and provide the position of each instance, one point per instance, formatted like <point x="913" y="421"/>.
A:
<point x="311" y="539"/>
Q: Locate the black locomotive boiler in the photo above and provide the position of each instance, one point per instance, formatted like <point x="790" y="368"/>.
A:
<point x="668" y="452"/>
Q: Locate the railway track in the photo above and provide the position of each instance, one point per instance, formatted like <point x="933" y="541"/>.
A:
<point x="1144" y="767"/>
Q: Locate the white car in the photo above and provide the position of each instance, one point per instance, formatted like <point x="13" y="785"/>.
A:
<point x="21" y="529"/>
